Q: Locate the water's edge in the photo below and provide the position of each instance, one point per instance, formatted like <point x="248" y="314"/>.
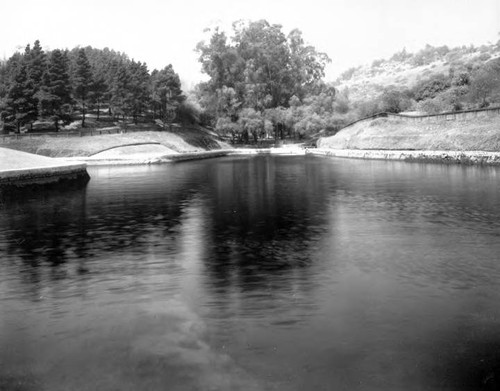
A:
<point x="43" y="175"/>
<point x="421" y="156"/>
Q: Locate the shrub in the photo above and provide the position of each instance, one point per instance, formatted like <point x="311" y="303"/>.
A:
<point x="431" y="87"/>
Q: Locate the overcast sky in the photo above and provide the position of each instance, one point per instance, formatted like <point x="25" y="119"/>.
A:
<point x="160" y="32"/>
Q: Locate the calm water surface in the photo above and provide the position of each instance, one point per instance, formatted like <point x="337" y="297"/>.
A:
<point x="258" y="273"/>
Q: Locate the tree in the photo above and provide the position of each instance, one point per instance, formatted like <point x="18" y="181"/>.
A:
<point x="121" y="99"/>
<point x="251" y="123"/>
<point x="82" y="81"/>
<point x="37" y="65"/>
<point x="485" y="84"/>
<point x="139" y="93"/>
<point x="394" y="100"/>
<point x="98" y="91"/>
<point x="21" y="107"/>
<point x="431" y="87"/>
<point x="54" y="96"/>
<point x="166" y="93"/>
<point x="260" y="69"/>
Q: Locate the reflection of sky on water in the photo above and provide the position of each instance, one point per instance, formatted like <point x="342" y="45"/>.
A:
<point x="258" y="273"/>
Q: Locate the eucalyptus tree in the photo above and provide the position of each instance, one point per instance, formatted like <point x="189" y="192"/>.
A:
<point x="262" y="65"/>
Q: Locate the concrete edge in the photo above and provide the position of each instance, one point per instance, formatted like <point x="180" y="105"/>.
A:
<point x="185" y="156"/>
<point x="43" y="175"/>
<point x="420" y="156"/>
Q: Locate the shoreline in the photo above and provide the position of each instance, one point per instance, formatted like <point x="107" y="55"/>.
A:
<point x="21" y="169"/>
<point x="184" y="156"/>
<point x="414" y="156"/>
<point x="35" y="170"/>
<point x="48" y="171"/>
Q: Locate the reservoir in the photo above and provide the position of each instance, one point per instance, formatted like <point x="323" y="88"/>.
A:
<point x="254" y="273"/>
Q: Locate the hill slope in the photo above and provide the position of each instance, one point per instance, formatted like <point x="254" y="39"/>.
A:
<point x="403" y="71"/>
<point x="179" y="140"/>
<point x="476" y="134"/>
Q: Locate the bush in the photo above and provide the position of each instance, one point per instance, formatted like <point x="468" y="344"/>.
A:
<point x="368" y="108"/>
<point x="432" y="106"/>
<point x="346" y="75"/>
<point x="484" y="57"/>
<point x="394" y="101"/>
<point x="431" y="87"/>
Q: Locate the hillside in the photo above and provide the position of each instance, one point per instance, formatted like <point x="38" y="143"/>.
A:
<point x="396" y="133"/>
<point x="422" y="76"/>
<point x="178" y="140"/>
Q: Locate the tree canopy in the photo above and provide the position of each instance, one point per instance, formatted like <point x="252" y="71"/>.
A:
<point x="62" y="84"/>
<point x="256" y="69"/>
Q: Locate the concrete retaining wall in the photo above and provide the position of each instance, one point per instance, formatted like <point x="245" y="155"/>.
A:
<point x="43" y="175"/>
<point x="451" y="157"/>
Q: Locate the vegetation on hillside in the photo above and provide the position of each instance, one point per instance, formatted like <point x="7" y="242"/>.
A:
<point x="59" y="85"/>
<point x="433" y="80"/>
<point x="262" y="83"/>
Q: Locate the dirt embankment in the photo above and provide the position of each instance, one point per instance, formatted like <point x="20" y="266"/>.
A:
<point x="475" y="134"/>
<point x="181" y="140"/>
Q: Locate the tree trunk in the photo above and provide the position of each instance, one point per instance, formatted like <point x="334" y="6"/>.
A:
<point x="83" y="115"/>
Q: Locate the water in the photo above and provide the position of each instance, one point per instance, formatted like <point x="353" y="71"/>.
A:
<point x="259" y="273"/>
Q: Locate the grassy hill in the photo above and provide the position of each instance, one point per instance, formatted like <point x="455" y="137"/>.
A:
<point x="396" y="133"/>
<point x="178" y="139"/>
<point x="432" y="80"/>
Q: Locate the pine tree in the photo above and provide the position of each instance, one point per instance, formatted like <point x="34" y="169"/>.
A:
<point x="82" y="81"/>
<point x="139" y="89"/>
<point x="121" y="95"/>
<point x="98" y="91"/>
<point x="54" y="96"/>
<point x="37" y="65"/>
<point x="20" y="103"/>
<point x="166" y="92"/>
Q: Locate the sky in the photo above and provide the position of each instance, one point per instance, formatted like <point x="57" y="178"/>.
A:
<point x="162" y="32"/>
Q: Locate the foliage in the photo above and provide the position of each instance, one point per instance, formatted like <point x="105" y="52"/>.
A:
<point x="394" y="100"/>
<point x="348" y="74"/>
<point x="485" y="84"/>
<point x="260" y="68"/>
<point x="82" y="81"/>
<point x="20" y="106"/>
<point x="166" y="93"/>
<point x="431" y="87"/>
<point x="50" y="85"/>
<point x="54" y="96"/>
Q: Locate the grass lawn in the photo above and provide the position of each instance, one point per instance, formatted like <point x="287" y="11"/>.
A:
<point x="178" y="140"/>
